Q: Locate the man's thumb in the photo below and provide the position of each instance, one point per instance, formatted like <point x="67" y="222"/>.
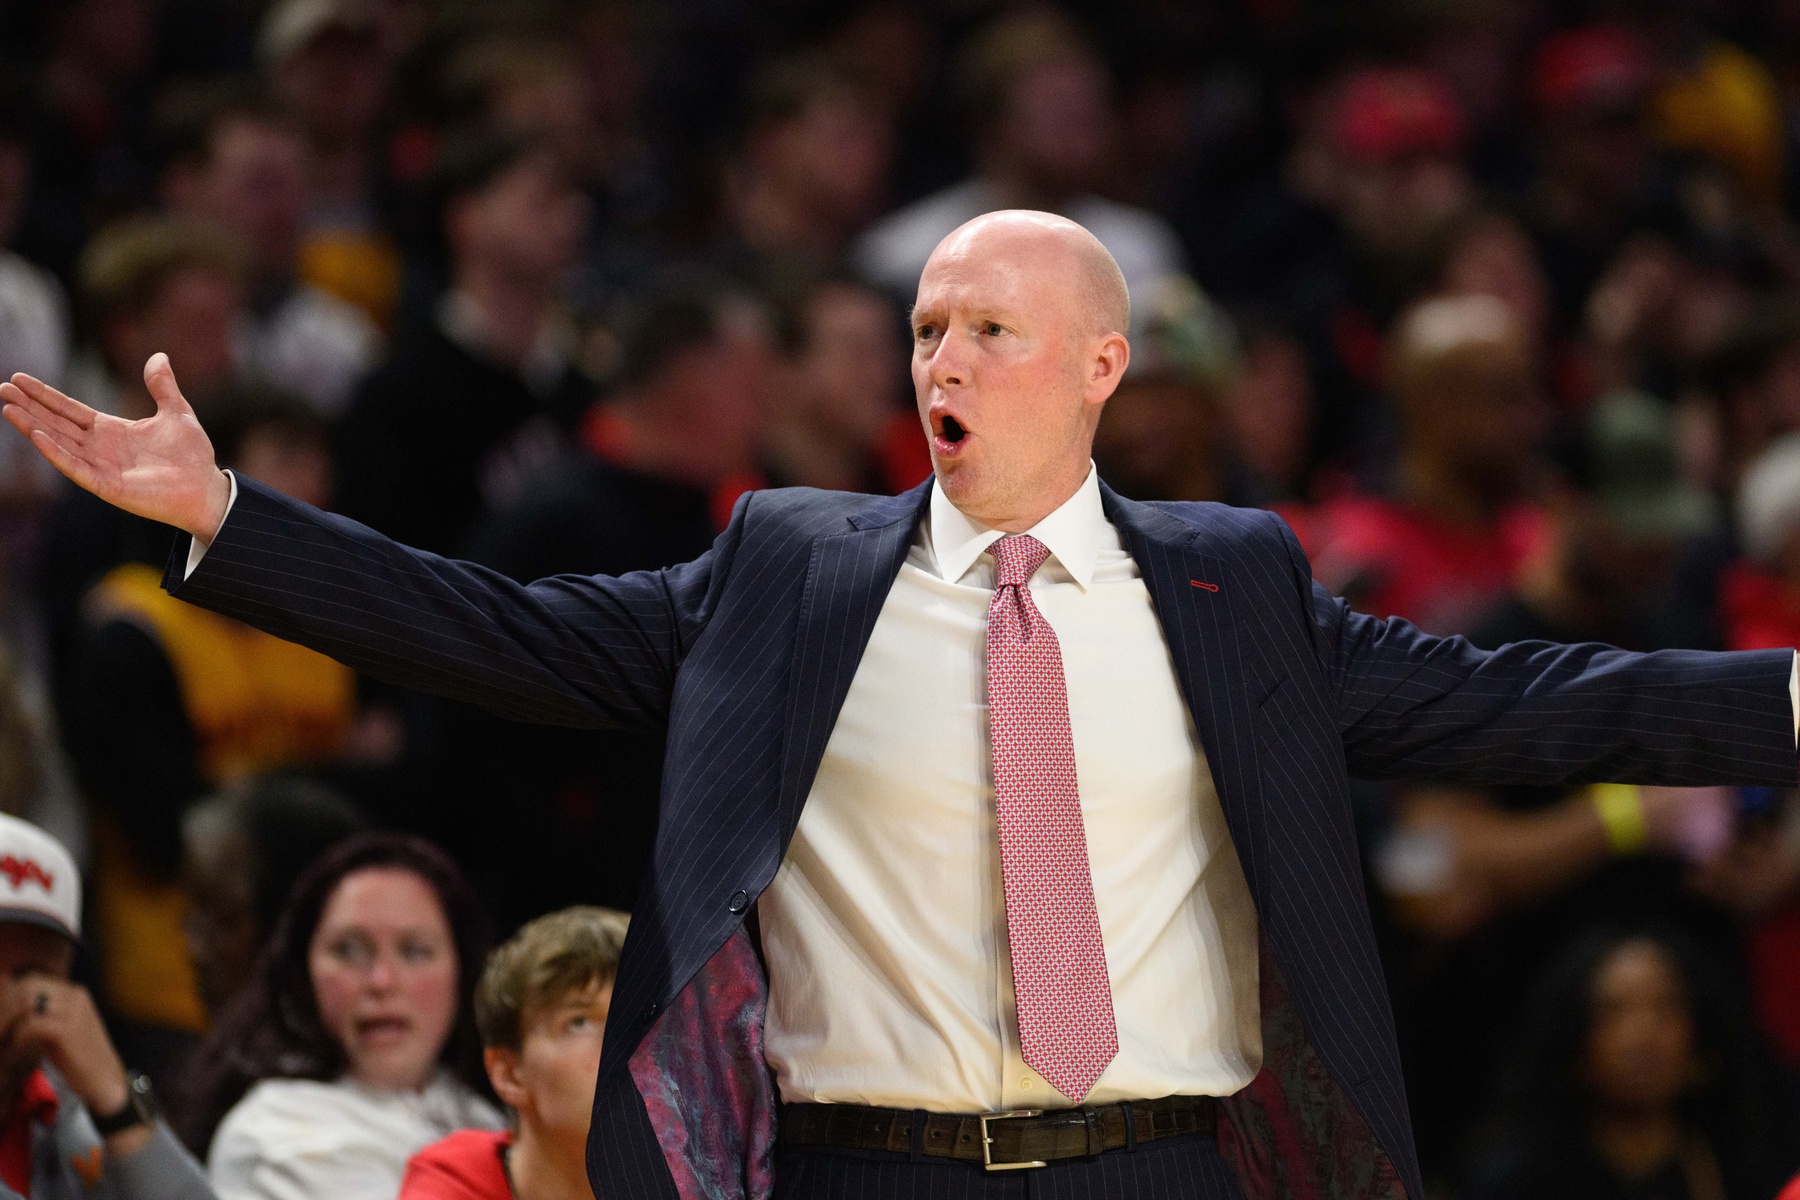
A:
<point x="159" y="377"/>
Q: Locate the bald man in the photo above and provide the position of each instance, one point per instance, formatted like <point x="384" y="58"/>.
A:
<point x="1005" y="845"/>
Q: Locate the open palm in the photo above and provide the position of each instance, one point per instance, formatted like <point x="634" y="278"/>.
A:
<point x="160" y="467"/>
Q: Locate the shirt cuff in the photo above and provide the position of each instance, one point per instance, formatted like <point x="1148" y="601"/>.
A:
<point x="197" y="549"/>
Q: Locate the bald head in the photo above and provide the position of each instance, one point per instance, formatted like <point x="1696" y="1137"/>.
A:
<point x="1046" y="243"/>
<point x="1018" y="341"/>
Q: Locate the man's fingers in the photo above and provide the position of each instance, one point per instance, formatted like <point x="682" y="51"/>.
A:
<point x="43" y="418"/>
<point x="159" y="377"/>
<point x="66" y="407"/>
<point x="79" y="471"/>
<point x="60" y="450"/>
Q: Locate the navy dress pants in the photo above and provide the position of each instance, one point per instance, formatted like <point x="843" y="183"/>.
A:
<point x="1177" y="1168"/>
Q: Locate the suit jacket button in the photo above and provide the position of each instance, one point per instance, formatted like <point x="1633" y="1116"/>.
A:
<point x="650" y="1011"/>
<point x="739" y="902"/>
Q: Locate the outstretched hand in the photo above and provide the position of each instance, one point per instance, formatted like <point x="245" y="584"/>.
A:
<point x="160" y="467"/>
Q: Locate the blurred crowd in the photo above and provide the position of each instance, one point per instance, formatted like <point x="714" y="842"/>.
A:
<point x="1496" y="301"/>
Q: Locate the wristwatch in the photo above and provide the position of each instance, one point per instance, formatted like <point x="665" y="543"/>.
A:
<point x="140" y="1108"/>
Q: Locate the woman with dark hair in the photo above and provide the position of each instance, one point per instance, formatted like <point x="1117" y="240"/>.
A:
<point x="355" y="1045"/>
<point x="1640" y="1079"/>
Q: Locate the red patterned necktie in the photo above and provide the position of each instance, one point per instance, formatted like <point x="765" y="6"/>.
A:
<point x="1066" y="1029"/>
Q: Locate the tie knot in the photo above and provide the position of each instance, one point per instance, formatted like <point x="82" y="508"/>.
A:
<point x="1016" y="559"/>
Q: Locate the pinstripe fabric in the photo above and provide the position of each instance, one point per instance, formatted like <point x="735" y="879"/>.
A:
<point x="744" y="657"/>
<point x="1179" y="1169"/>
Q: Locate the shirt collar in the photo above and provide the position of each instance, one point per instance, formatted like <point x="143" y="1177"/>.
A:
<point x="1072" y="534"/>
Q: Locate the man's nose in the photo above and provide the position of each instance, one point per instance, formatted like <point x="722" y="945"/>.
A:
<point x="951" y="363"/>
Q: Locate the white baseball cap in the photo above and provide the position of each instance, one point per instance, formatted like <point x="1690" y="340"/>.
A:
<point x="38" y="881"/>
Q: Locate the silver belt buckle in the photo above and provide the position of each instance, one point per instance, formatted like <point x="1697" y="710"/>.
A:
<point x="987" y="1142"/>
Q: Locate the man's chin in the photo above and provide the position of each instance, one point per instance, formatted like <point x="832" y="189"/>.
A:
<point x="958" y="479"/>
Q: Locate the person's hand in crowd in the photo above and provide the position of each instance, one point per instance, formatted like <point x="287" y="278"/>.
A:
<point x="1693" y="823"/>
<point x="1636" y="290"/>
<point x="161" y="467"/>
<point x="56" y="1021"/>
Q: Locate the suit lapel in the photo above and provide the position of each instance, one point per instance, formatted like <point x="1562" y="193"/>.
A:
<point x="847" y="581"/>
<point x="1192" y="591"/>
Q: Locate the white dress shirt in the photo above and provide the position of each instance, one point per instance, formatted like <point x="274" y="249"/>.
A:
<point x="885" y="928"/>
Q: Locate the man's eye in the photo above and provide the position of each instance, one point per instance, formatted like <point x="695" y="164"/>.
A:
<point x="924" y="332"/>
<point x="992" y="329"/>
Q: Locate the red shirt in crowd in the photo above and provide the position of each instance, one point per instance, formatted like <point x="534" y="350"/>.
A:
<point x="470" y="1164"/>
<point x="1391" y="560"/>
<point x="36" y="1106"/>
<point x="1757" y="611"/>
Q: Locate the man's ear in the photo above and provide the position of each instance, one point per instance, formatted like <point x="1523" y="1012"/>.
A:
<point x="1107" y="367"/>
<point x="503" y="1072"/>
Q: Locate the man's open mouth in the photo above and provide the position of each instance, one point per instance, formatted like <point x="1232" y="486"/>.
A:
<point x="952" y="431"/>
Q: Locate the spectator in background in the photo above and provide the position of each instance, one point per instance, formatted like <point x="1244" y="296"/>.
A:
<point x="1039" y="105"/>
<point x="661" y="464"/>
<point x="355" y="1046"/>
<point x="479" y="398"/>
<point x="1760" y="596"/>
<point x="665" y="456"/>
<point x="1492" y="883"/>
<point x="34" y="315"/>
<point x="1760" y="608"/>
<point x="1754" y="381"/>
<point x="239" y="162"/>
<point x="1444" y="545"/>
<point x="1748" y="394"/>
<point x="1599" y="176"/>
<point x="242" y="850"/>
<point x="1272" y="412"/>
<point x="1618" y="512"/>
<point x="541" y="1006"/>
<point x="34" y="328"/>
<point x="35" y="780"/>
<point x="1639" y="1076"/>
<point x="58" y="1069"/>
<point x="327" y="64"/>
<point x="575" y="94"/>
<point x="844" y="419"/>
<point x="94" y="145"/>
<point x="1164" y="434"/>
<point x="146" y="285"/>
<point x="1334" y="247"/>
<point x="158" y="283"/>
<point x="1486" y="251"/>
<point x="176" y="701"/>
<point x="808" y="174"/>
<point x="1722" y="105"/>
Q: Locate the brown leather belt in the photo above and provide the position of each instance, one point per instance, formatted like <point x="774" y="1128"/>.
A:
<point x="1025" y="1137"/>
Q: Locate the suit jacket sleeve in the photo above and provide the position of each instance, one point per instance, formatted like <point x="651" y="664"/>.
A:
<point x="1411" y="705"/>
<point x="586" y="651"/>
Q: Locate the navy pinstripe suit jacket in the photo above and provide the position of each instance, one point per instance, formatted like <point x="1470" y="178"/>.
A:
<point x="744" y="657"/>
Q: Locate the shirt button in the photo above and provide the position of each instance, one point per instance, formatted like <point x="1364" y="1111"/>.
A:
<point x="1025" y="1083"/>
<point x="739" y="901"/>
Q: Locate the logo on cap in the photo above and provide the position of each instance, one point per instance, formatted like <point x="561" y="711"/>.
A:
<point x="17" y="870"/>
